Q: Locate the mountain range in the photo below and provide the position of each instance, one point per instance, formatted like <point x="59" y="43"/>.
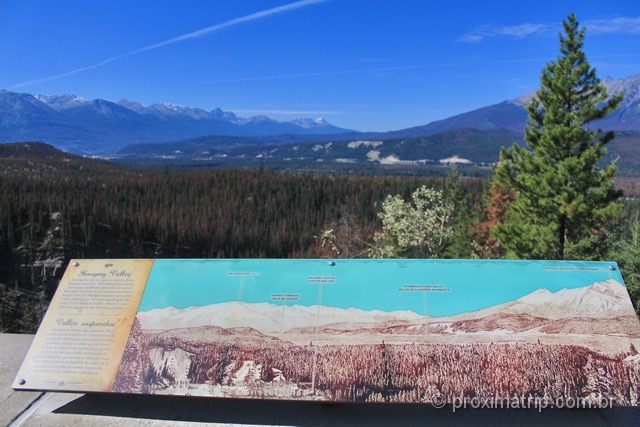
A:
<point x="512" y="115"/>
<point x="85" y="126"/>
<point x="131" y="130"/>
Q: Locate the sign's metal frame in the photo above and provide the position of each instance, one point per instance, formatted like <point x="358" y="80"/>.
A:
<point x="340" y="330"/>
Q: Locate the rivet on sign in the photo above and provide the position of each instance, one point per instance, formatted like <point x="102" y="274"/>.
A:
<point x="22" y="382"/>
<point x="75" y="264"/>
<point x="612" y="267"/>
<point x="332" y="263"/>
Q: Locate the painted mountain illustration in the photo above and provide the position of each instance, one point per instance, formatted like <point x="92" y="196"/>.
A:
<point x="265" y="317"/>
<point x="601" y="299"/>
<point x="606" y="299"/>
<point x="602" y="308"/>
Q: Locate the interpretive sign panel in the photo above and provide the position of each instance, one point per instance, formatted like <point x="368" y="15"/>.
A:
<point x="434" y="331"/>
<point x="81" y="339"/>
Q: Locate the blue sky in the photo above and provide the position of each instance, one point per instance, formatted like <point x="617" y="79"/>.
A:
<point x="366" y="65"/>
<point x="364" y="284"/>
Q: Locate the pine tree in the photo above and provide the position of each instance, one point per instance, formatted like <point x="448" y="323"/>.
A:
<point x="627" y="253"/>
<point x="492" y="211"/>
<point x="6" y="310"/>
<point x="564" y="200"/>
<point x="462" y="216"/>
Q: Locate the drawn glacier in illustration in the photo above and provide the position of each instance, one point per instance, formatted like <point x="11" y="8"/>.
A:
<point x="267" y="318"/>
<point x="546" y="344"/>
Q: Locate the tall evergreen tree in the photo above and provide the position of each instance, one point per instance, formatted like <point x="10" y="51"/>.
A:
<point x="492" y="210"/>
<point x="627" y="253"/>
<point x="563" y="198"/>
<point x="462" y="216"/>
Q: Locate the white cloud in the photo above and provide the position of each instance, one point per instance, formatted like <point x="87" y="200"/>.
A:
<point x="512" y="31"/>
<point x="621" y="25"/>
<point x="520" y="31"/>
<point x="617" y="25"/>
<point x="471" y="38"/>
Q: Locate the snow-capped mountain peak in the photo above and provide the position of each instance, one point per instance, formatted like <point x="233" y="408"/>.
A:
<point x="523" y="100"/>
<point x="180" y="110"/>
<point x="225" y="115"/>
<point x="630" y="86"/>
<point x="131" y="105"/>
<point x="62" y="102"/>
<point x="310" y="123"/>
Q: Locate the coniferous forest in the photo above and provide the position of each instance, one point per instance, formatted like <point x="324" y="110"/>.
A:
<point x="52" y="211"/>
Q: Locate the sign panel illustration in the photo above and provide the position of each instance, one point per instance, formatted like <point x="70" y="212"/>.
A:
<point x="343" y="330"/>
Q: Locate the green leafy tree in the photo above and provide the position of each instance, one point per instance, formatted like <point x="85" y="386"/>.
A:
<point x="563" y="199"/>
<point x="419" y="228"/>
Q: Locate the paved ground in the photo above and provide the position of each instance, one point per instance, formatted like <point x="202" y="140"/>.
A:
<point x="20" y="408"/>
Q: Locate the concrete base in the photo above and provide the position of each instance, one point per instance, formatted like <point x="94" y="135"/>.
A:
<point x="69" y="409"/>
<point x="13" y="348"/>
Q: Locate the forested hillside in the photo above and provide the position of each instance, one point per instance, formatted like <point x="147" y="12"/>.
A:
<point x="51" y="212"/>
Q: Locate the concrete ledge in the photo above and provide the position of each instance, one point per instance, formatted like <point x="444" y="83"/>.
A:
<point x="13" y="348"/>
<point x="68" y="409"/>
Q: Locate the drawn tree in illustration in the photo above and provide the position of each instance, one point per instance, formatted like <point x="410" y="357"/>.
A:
<point x="129" y="378"/>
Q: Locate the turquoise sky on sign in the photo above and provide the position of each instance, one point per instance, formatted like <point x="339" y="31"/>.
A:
<point x="364" y="284"/>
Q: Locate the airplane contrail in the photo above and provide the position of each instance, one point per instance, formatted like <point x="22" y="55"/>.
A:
<point x="188" y="36"/>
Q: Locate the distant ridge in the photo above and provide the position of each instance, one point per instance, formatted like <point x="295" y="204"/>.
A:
<point x="512" y="115"/>
<point x="32" y="150"/>
<point x="505" y="115"/>
<point x="85" y="126"/>
<point x="40" y="159"/>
